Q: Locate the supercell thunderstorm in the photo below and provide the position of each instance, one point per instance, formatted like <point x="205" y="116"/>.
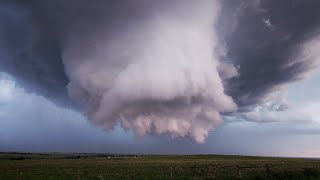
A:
<point x="171" y="67"/>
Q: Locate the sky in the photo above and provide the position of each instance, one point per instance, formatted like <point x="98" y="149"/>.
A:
<point x="169" y="77"/>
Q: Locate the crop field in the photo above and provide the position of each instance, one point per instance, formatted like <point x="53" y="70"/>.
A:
<point x="104" y="166"/>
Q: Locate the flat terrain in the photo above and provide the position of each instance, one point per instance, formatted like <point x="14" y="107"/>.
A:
<point x="103" y="166"/>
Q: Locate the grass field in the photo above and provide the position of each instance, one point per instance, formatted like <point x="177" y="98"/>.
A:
<point x="100" y="166"/>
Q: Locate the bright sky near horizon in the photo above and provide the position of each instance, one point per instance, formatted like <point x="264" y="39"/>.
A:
<point x="40" y="126"/>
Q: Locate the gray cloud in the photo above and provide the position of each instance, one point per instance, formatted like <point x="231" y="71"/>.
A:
<point x="268" y="57"/>
<point x="30" y="51"/>
<point x="169" y="67"/>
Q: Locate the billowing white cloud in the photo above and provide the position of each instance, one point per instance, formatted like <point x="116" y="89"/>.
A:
<point x="157" y="76"/>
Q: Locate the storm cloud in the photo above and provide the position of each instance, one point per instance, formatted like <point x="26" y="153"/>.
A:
<point x="159" y="67"/>
<point x="274" y="43"/>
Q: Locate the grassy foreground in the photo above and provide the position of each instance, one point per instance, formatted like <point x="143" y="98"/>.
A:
<point x="99" y="166"/>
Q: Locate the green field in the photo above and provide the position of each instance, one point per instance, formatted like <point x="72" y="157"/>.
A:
<point x="101" y="166"/>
